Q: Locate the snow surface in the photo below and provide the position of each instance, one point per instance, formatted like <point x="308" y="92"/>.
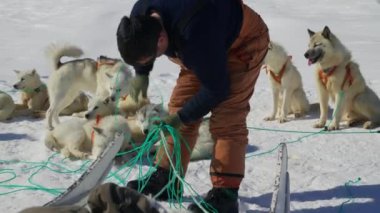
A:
<point x="322" y="167"/>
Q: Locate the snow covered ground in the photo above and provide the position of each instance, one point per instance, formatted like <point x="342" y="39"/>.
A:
<point x="324" y="168"/>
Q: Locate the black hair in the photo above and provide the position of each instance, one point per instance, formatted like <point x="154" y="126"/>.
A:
<point x="137" y="37"/>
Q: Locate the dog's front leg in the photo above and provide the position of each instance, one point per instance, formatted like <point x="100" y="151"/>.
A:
<point x="323" y="106"/>
<point x="340" y="103"/>
<point x="276" y="95"/>
<point x="285" y="105"/>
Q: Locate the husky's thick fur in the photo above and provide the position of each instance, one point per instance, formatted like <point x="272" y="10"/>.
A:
<point x="288" y="94"/>
<point x="105" y="77"/>
<point x="142" y="122"/>
<point x="34" y="95"/>
<point x="129" y="107"/>
<point x="339" y="79"/>
<point x="204" y="146"/>
<point x="7" y="106"/>
<point x="103" y="107"/>
<point x="81" y="139"/>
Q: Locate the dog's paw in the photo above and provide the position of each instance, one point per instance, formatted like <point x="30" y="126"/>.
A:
<point x="368" y="125"/>
<point x="269" y="118"/>
<point x="282" y="120"/>
<point x="319" y="124"/>
<point x="333" y="127"/>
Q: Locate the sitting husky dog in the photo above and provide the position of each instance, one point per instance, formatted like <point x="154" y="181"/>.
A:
<point x="288" y="94"/>
<point x="7" y="106"/>
<point x="77" y="138"/>
<point x="34" y="95"/>
<point x="339" y="78"/>
<point x="105" y="77"/>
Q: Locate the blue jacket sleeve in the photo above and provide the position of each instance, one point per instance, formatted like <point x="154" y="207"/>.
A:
<point x="205" y="54"/>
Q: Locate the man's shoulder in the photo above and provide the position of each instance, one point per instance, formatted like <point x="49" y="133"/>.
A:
<point x="140" y="7"/>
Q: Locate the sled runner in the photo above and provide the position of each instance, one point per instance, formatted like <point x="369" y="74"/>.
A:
<point x="77" y="193"/>
<point x="281" y="194"/>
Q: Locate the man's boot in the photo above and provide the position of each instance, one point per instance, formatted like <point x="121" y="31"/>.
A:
<point x="157" y="181"/>
<point x="220" y="200"/>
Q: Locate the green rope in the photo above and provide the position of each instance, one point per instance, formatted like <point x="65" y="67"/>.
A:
<point x="351" y="198"/>
<point x="341" y="132"/>
<point x="35" y="168"/>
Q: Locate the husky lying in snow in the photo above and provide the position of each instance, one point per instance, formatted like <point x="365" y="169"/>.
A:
<point x="7" y="106"/>
<point x="100" y="108"/>
<point x="288" y="94"/>
<point x="339" y="78"/>
<point x="82" y="139"/>
<point x="143" y="122"/>
<point x="34" y="95"/>
<point x="104" y="77"/>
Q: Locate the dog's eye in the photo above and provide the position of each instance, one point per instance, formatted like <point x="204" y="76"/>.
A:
<point x="95" y="108"/>
<point x="22" y="79"/>
<point x="317" y="44"/>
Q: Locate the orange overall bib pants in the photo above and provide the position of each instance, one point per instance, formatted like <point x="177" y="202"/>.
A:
<point x="228" y="120"/>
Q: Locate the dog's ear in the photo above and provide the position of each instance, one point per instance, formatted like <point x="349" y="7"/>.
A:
<point x="109" y="75"/>
<point x="17" y="72"/>
<point x="97" y="130"/>
<point x="311" y="33"/>
<point x="33" y="72"/>
<point x="326" y="32"/>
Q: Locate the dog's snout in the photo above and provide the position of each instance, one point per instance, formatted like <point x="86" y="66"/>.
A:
<point x="15" y="86"/>
<point x="112" y="98"/>
<point x="87" y="116"/>
<point x="307" y="54"/>
<point x="146" y="131"/>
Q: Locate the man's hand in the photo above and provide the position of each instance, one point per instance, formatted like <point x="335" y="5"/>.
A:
<point x="173" y="120"/>
<point x="139" y="84"/>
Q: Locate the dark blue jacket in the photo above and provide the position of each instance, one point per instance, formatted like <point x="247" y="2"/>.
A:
<point x="202" y="46"/>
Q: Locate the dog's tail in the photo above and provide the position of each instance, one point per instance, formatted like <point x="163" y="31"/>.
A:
<point x="51" y="142"/>
<point x="56" y="51"/>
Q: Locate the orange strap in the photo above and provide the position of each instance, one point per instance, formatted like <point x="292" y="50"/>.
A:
<point x="98" y="118"/>
<point x="324" y="77"/>
<point x="98" y="64"/>
<point x="278" y="77"/>
<point x="348" y="77"/>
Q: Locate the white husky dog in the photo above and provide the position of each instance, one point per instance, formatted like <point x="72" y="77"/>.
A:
<point x="7" y="106"/>
<point x="81" y="139"/>
<point x="103" y="107"/>
<point x="339" y="78"/>
<point x="288" y="94"/>
<point x="34" y="95"/>
<point x="103" y="77"/>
